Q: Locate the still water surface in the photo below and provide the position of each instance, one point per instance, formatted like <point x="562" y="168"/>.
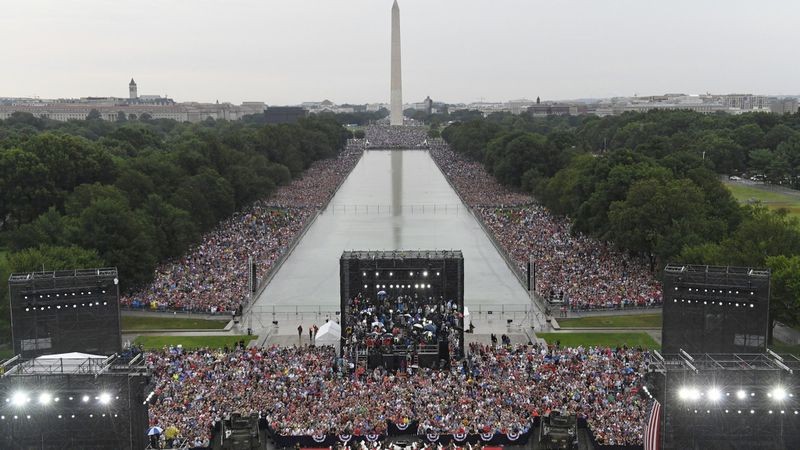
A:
<point x="392" y="200"/>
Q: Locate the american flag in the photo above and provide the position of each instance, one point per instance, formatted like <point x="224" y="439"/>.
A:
<point x="652" y="429"/>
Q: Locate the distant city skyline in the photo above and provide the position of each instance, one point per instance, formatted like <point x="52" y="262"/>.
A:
<point x="289" y="52"/>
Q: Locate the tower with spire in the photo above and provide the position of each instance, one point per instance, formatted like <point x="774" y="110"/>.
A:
<point x="396" y="99"/>
<point x="132" y="94"/>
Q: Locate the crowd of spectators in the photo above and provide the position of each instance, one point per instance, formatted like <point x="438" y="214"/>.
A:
<point x="573" y="269"/>
<point x="405" y="321"/>
<point x="302" y="391"/>
<point x="212" y="276"/>
<point x="388" y="137"/>
<point x="475" y="186"/>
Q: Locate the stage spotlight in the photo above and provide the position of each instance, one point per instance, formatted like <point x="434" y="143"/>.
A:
<point x="714" y="394"/>
<point x="45" y="398"/>
<point x="688" y="393"/>
<point x="741" y="394"/>
<point x="105" y="398"/>
<point x="19" y="398"/>
<point x="778" y="394"/>
<point x="425" y="274"/>
<point x="85" y="399"/>
<point x="391" y="273"/>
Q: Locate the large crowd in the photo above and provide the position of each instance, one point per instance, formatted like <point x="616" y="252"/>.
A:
<point x="213" y="275"/>
<point x="572" y="269"/>
<point x="388" y="137"/>
<point x="406" y="321"/>
<point x="308" y="391"/>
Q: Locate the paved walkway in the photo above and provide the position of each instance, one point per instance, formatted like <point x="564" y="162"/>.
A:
<point x="519" y="328"/>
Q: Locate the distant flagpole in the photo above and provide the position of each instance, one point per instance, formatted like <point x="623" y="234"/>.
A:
<point x="652" y="429"/>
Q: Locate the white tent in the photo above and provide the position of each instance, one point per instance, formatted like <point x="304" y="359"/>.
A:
<point x="329" y="334"/>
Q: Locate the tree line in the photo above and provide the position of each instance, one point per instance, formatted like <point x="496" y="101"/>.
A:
<point x="136" y="192"/>
<point x="650" y="183"/>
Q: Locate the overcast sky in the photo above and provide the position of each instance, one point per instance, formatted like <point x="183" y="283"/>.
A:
<point x="290" y="51"/>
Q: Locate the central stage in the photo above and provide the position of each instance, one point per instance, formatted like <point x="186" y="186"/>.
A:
<point x="402" y="308"/>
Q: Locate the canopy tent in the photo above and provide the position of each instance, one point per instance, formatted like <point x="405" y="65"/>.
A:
<point x="330" y="333"/>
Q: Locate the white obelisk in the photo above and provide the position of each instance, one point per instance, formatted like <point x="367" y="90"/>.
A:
<point x="396" y="108"/>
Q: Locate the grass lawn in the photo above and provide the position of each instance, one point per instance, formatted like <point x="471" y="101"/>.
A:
<point x="601" y="339"/>
<point x="782" y="347"/>
<point x="637" y="320"/>
<point x="772" y="200"/>
<point x="157" y="342"/>
<point x="3" y="253"/>
<point x="140" y="323"/>
<point x="6" y="353"/>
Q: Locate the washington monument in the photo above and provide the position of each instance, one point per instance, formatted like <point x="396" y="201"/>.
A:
<point x="396" y="115"/>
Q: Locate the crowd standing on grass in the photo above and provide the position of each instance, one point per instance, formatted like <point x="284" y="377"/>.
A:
<point x="573" y="269"/>
<point x="212" y="277"/>
<point x="387" y="137"/>
<point x="307" y="391"/>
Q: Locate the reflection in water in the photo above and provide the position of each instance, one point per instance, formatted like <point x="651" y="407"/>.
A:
<point x="415" y="210"/>
<point x="397" y="197"/>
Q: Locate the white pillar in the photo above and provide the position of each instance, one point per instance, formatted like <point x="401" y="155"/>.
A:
<point x="396" y="112"/>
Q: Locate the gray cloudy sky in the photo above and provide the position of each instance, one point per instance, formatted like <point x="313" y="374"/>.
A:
<point x="290" y="51"/>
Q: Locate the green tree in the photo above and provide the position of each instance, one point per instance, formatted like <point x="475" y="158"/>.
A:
<point x="749" y="136"/>
<point x="726" y="155"/>
<point x="788" y="152"/>
<point x="207" y="196"/>
<point x="778" y="134"/>
<point x="50" y="228"/>
<point x="760" y="160"/>
<point x="136" y="186"/>
<point x="658" y="218"/>
<point x="27" y="188"/>
<point x="93" y="115"/>
<point x="122" y="238"/>
<point x="54" y="258"/>
<point x="785" y="291"/>
<point x="174" y="229"/>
